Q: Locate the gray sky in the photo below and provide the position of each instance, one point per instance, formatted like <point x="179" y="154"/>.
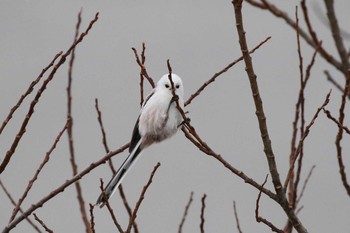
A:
<point x="199" y="38"/>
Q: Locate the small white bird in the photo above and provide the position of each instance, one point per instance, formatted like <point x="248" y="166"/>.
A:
<point x="158" y="120"/>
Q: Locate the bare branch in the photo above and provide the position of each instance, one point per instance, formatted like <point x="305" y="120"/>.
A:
<point x="110" y="210"/>
<point x="340" y="136"/>
<point x="301" y="141"/>
<point x="261" y="219"/>
<point x="42" y="223"/>
<point x="329" y="115"/>
<point x="143" y="71"/>
<point x="142" y="196"/>
<point x="213" y="78"/>
<point x="92" y="221"/>
<point x="338" y="40"/>
<point x="236" y="217"/>
<point x="202" y="213"/>
<point x="185" y="213"/>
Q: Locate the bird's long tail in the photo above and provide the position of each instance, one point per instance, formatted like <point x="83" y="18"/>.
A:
<point x="118" y="177"/>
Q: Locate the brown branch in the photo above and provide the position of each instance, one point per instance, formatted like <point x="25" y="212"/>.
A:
<point x="261" y="219"/>
<point x="142" y="196"/>
<point x="73" y="163"/>
<point x="329" y="115"/>
<point x="22" y="130"/>
<point x="340" y="136"/>
<point x="338" y="40"/>
<point x="27" y="92"/>
<point x="185" y="213"/>
<point x="143" y="71"/>
<point x="305" y="184"/>
<point x="35" y="177"/>
<point x="42" y="223"/>
<point x="302" y="139"/>
<point x="104" y="138"/>
<point x="236" y="217"/>
<point x="213" y="78"/>
<point x="110" y="210"/>
<point x="299" y="110"/>
<point x="202" y="213"/>
<point x="143" y="60"/>
<point x="14" y="204"/>
<point x="282" y="200"/>
<point x="62" y="187"/>
<point x="92" y="221"/>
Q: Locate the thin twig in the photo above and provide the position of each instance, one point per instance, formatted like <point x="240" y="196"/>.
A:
<point x="329" y="115"/>
<point x="261" y="219"/>
<point x="338" y="40"/>
<point x="202" y="213"/>
<point x="42" y="223"/>
<point x="92" y="221"/>
<point x="104" y="138"/>
<point x="27" y="92"/>
<point x="339" y="136"/>
<point x="185" y="213"/>
<point x="213" y="78"/>
<point x="35" y="177"/>
<point x="236" y="217"/>
<point x="110" y="210"/>
<point x="143" y="68"/>
<point x="22" y="130"/>
<point x="73" y="163"/>
<point x="142" y="196"/>
<point x="305" y="184"/>
<point x="20" y="210"/>
<point x="302" y="139"/>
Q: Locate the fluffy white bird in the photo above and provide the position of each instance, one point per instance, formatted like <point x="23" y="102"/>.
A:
<point x="158" y="120"/>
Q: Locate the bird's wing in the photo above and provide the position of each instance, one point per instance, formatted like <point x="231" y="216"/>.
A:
<point x="136" y="133"/>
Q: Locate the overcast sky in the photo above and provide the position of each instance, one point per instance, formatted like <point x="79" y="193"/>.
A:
<point x="199" y="38"/>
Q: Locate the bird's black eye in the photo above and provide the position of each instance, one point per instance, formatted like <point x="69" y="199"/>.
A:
<point x="177" y="86"/>
<point x="167" y="85"/>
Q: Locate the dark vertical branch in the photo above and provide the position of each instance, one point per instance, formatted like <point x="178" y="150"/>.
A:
<point x="202" y="213"/>
<point x="185" y="213"/>
<point x="282" y="200"/>
<point x="92" y="218"/>
<point x="340" y="136"/>
<point x="236" y="217"/>
<point x="338" y="40"/>
<point x="80" y="198"/>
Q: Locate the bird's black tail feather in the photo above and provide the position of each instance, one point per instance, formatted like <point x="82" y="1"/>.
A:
<point x="118" y="177"/>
